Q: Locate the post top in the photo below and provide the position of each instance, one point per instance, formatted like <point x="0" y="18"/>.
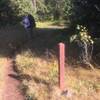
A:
<point x="61" y="43"/>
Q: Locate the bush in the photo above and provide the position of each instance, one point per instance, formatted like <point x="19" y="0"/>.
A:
<point x="11" y="11"/>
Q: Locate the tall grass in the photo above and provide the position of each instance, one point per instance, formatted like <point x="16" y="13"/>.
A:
<point x="42" y="81"/>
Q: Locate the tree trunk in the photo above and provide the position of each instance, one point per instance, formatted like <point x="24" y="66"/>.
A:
<point x="34" y="5"/>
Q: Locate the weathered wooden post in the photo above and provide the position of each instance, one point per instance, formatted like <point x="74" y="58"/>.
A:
<point x="61" y="65"/>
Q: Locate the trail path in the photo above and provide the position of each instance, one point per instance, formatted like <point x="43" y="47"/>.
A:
<point x="11" y="89"/>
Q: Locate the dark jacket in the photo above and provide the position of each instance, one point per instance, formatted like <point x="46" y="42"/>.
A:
<point x="29" y="21"/>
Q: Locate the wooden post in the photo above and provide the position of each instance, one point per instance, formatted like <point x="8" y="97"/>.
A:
<point x="61" y="65"/>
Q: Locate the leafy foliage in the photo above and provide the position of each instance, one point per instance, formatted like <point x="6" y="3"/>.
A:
<point x="68" y="9"/>
<point x="85" y="43"/>
<point x="83" y="12"/>
<point x="82" y="35"/>
<point x="23" y="6"/>
<point x="55" y="8"/>
<point x="87" y="13"/>
<point x="7" y="11"/>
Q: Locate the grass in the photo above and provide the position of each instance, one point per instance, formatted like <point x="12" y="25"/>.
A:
<point x="84" y="81"/>
<point x="51" y="24"/>
<point x="39" y="73"/>
<point x="82" y="84"/>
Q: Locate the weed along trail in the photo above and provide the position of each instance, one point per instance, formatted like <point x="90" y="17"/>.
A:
<point x="11" y="84"/>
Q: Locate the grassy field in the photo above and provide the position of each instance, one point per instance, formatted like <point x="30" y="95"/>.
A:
<point x="38" y="70"/>
<point x="40" y="79"/>
<point x="37" y="66"/>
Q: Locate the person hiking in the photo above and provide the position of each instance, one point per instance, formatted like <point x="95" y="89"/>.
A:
<point x="29" y="25"/>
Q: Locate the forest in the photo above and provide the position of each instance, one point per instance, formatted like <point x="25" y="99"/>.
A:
<point x="30" y="57"/>
<point x="83" y="12"/>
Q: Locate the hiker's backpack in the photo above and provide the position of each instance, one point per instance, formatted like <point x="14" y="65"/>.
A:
<point x="32" y="20"/>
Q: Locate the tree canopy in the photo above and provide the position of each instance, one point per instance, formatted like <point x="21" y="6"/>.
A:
<point x="87" y="13"/>
<point x="84" y="12"/>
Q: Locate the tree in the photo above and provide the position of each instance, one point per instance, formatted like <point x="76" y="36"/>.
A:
<point x="55" y="8"/>
<point x="11" y="9"/>
<point x="87" y="13"/>
<point x="23" y="6"/>
<point x="68" y="10"/>
<point x="34" y="5"/>
<point x="7" y="11"/>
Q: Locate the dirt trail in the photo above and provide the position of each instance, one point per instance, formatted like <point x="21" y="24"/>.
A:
<point x="11" y="90"/>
